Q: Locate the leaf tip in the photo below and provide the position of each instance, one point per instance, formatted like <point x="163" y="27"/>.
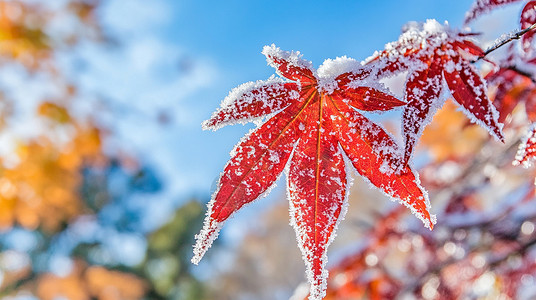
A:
<point x="431" y="222"/>
<point x="205" y="238"/>
<point x="208" y="125"/>
<point x="497" y="132"/>
<point x="271" y="52"/>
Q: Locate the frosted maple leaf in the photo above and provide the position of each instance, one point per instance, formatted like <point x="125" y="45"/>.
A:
<point x="312" y="124"/>
<point x="437" y="59"/>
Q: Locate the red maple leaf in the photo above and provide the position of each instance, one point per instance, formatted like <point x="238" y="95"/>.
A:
<point x="433" y="55"/>
<point x="313" y="124"/>
<point x="481" y="7"/>
<point x="528" y="18"/>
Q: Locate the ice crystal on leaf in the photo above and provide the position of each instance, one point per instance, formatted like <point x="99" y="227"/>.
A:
<point x="314" y="126"/>
<point x="433" y="55"/>
<point x="526" y="153"/>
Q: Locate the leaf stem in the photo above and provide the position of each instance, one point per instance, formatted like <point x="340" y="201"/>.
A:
<point x="515" y="36"/>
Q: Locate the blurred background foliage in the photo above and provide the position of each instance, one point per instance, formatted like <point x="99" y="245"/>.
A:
<point x="71" y="218"/>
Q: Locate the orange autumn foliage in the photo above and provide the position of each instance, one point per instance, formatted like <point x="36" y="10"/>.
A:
<point x="18" y="40"/>
<point x="451" y="136"/>
<point x="42" y="188"/>
<point x="91" y="282"/>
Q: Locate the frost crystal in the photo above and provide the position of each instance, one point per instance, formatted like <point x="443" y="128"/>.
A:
<point x="526" y="153"/>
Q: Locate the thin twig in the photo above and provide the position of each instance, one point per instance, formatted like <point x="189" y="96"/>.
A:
<point x="515" y="36"/>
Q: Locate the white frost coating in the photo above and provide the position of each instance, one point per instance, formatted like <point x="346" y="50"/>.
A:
<point x="292" y="57"/>
<point x="494" y="115"/>
<point x="327" y="85"/>
<point x="210" y="231"/>
<point x="420" y="216"/>
<point x="427" y="37"/>
<point x="208" y="234"/>
<point x="530" y="137"/>
<point x="394" y="150"/>
<point x="503" y="38"/>
<point x="435" y="105"/>
<point x="450" y="66"/>
<point x="246" y="88"/>
<point x="433" y="27"/>
<point x="371" y="82"/>
<point x="266" y="93"/>
<point x="331" y="68"/>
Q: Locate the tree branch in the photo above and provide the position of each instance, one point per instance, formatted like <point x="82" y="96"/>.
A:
<point x="514" y="36"/>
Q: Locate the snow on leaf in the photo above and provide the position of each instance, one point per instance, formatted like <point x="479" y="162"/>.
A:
<point x="526" y="153"/>
<point x="252" y="100"/>
<point x="290" y="65"/>
<point x="318" y="127"/>
<point x="251" y="171"/>
<point x="481" y="7"/>
<point x="423" y="89"/>
<point x="432" y="54"/>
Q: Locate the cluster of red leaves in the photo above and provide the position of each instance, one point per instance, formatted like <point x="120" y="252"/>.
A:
<point x="309" y="123"/>
<point x="473" y="252"/>
<point x="514" y="79"/>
